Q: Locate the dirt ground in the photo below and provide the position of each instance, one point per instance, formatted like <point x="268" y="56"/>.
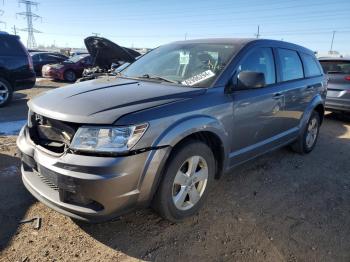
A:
<point x="279" y="207"/>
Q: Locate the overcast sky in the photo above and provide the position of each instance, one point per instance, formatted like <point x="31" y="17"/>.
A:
<point x="149" y="23"/>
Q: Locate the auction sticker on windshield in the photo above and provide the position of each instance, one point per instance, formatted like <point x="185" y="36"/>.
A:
<point x="184" y="58"/>
<point x="198" y="78"/>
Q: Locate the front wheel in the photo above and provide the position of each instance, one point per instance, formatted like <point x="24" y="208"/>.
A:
<point x="307" y="141"/>
<point x="70" y="76"/>
<point x="186" y="181"/>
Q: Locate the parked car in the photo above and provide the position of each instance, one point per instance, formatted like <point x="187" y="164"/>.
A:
<point x="68" y="70"/>
<point x="106" y="54"/>
<point x="338" y="71"/>
<point x="16" y="67"/>
<point x="44" y="58"/>
<point x="102" y="54"/>
<point x="172" y="123"/>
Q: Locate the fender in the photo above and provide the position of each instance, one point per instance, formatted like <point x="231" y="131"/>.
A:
<point x="317" y="100"/>
<point x="168" y="139"/>
<point x="190" y="125"/>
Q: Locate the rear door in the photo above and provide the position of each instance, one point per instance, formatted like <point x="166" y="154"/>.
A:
<point x="294" y="86"/>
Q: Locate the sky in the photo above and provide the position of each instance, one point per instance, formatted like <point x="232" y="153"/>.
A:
<point x="150" y="23"/>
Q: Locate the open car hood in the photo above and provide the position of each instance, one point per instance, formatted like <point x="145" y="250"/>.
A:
<point x="104" y="52"/>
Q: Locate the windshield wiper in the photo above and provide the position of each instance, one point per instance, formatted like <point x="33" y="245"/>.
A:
<point x="159" y="78"/>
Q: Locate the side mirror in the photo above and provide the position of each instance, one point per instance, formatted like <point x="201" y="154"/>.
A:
<point x="250" y="79"/>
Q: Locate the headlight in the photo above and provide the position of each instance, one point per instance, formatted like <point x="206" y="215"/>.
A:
<point x="107" y="139"/>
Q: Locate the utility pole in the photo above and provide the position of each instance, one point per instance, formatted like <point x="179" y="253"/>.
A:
<point x="96" y="34"/>
<point x="258" y="32"/>
<point x="14" y="29"/>
<point x="30" y="16"/>
<point x="330" y="51"/>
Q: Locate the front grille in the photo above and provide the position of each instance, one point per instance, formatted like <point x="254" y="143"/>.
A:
<point x="51" y="134"/>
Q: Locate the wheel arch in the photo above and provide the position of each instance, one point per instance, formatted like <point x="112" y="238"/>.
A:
<point x="316" y="104"/>
<point x="201" y="128"/>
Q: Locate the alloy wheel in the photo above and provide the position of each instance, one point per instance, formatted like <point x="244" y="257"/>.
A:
<point x="190" y="182"/>
<point x="4" y="93"/>
<point x="312" y="131"/>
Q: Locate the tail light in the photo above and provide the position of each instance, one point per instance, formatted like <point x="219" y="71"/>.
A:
<point x="347" y="78"/>
<point x="30" y="61"/>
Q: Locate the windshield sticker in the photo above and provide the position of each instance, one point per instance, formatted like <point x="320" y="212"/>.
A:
<point x="184" y="58"/>
<point x="198" y="78"/>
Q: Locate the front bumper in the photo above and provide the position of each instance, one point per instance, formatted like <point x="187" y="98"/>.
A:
<point x="90" y="188"/>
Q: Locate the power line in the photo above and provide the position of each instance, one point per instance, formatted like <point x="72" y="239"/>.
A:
<point x="30" y="16"/>
<point x="224" y="12"/>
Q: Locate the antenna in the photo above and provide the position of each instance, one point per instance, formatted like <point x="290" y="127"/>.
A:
<point x="30" y="16"/>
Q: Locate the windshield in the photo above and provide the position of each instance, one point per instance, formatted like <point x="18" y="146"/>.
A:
<point x="191" y="64"/>
<point x="336" y="67"/>
<point x="75" y="59"/>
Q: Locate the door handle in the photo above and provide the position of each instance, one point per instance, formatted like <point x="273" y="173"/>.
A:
<point x="277" y="95"/>
<point x="310" y="87"/>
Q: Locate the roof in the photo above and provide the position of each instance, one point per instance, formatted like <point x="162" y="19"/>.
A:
<point x="218" y="41"/>
<point x="245" y="41"/>
<point x="334" y="58"/>
<point x="44" y="52"/>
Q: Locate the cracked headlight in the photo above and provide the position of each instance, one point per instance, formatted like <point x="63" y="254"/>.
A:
<point x="112" y="139"/>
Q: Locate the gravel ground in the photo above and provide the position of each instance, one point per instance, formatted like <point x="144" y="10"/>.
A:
<point x="279" y="207"/>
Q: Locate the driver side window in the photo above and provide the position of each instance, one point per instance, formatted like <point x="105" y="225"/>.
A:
<point x="261" y="61"/>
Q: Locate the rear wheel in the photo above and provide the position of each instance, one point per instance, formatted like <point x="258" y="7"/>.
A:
<point x="70" y="76"/>
<point x="307" y="141"/>
<point x="186" y="181"/>
<point x="6" y="92"/>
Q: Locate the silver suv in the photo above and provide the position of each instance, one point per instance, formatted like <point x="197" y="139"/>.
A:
<point x="171" y="123"/>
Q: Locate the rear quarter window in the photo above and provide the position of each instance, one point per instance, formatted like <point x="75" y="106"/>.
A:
<point x="290" y="64"/>
<point x="311" y="66"/>
<point x="10" y="46"/>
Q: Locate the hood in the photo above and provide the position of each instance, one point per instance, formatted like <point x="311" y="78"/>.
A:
<point x="105" y="52"/>
<point x="104" y="100"/>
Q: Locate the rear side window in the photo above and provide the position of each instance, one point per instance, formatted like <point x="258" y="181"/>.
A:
<point x="260" y="60"/>
<point x="311" y="66"/>
<point x="336" y="67"/>
<point x="291" y="67"/>
<point x="10" y="46"/>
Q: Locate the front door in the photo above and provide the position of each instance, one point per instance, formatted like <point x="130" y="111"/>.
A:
<point x="256" y="112"/>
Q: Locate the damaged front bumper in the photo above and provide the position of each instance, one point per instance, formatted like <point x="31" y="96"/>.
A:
<point x="90" y="188"/>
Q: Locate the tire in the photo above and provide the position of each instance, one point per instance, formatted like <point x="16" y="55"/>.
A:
<point x="193" y="184"/>
<point x="70" y="76"/>
<point x="6" y="92"/>
<point x="303" y="145"/>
